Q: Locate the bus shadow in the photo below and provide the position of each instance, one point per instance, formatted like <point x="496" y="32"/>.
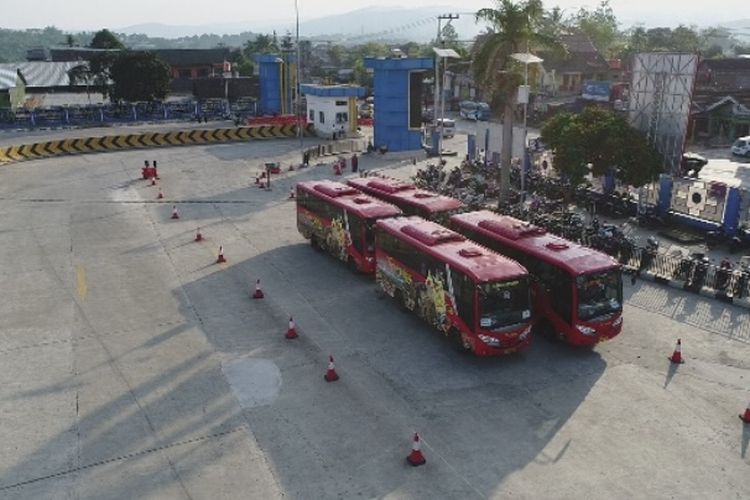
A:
<point x="482" y="419"/>
<point x="397" y="375"/>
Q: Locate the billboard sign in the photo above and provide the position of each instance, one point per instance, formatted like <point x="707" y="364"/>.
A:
<point x="660" y="96"/>
<point x="595" y="90"/>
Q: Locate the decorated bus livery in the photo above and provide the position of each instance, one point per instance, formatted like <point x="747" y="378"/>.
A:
<point x="336" y="238"/>
<point x="427" y="299"/>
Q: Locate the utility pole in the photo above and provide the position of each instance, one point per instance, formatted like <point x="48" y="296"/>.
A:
<point x="298" y="95"/>
<point x="437" y="98"/>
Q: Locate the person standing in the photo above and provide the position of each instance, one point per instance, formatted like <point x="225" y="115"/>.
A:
<point x="355" y="162"/>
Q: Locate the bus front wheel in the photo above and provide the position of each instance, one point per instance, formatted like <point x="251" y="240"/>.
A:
<point x="458" y="341"/>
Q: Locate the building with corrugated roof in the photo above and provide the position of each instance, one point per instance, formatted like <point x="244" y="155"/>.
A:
<point x="29" y="83"/>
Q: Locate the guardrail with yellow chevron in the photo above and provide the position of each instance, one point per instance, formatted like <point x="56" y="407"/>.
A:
<point x="106" y="143"/>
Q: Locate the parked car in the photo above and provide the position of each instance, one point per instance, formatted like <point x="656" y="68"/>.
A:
<point x="741" y="146"/>
<point x="448" y="125"/>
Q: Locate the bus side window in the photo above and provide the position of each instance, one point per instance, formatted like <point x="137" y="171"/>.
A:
<point x="464" y="289"/>
<point x="355" y="230"/>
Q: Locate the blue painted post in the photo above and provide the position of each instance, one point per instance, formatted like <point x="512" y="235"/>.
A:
<point x="391" y="83"/>
<point x="135" y="114"/>
<point x="269" y="73"/>
<point x="33" y="119"/>
<point x="487" y="148"/>
<point x="435" y="144"/>
<point x="526" y="161"/>
<point x="664" y="202"/>
<point x="67" y="116"/>
<point x="472" y="147"/>
<point x="101" y="115"/>
<point x="609" y="181"/>
<point x="732" y="212"/>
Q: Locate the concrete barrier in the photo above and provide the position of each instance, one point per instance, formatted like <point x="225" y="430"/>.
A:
<point x="83" y="145"/>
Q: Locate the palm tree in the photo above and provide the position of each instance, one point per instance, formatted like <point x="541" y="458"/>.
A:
<point x="513" y="27"/>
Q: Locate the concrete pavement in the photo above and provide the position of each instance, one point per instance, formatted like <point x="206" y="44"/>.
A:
<point x="133" y="366"/>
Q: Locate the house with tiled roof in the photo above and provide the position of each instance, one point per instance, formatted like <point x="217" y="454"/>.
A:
<point x="720" y="110"/>
<point x="564" y="73"/>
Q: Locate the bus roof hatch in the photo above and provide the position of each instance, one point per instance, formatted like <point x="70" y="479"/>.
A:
<point x="433" y="237"/>
<point x="389" y="185"/>
<point x="509" y="229"/>
<point x="335" y="190"/>
<point x="470" y="252"/>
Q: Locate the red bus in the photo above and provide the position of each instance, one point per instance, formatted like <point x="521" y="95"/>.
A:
<point x="577" y="290"/>
<point x="408" y="198"/>
<point x="339" y="219"/>
<point x="476" y="297"/>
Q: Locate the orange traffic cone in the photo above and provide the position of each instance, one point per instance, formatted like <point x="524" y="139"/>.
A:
<point x="160" y="195"/>
<point x="258" y="292"/>
<point x="677" y="354"/>
<point x="153" y="181"/>
<point x="745" y="417"/>
<point x="331" y="375"/>
<point x="220" y="259"/>
<point x="291" y="332"/>
<point x="291" y="167"/>
<point x="416" y="458"/>
<point x="291" y="193"/>
<point x="198" y="235"/>
<point x="175" y="215"/>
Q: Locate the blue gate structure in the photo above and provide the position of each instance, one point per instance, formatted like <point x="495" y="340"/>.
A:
<point x="398" y="85"/>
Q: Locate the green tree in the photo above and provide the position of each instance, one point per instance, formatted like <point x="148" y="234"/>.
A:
<point x="512" y="29"/>
<point x="602" y="139"/>
<point x="70" y="40"/>
<point x="600" y="25"/>
<point x="105" y="39"/>
<point x="138" y="76"/>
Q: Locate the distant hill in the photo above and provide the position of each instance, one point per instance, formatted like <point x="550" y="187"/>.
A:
<point x="382" y="23"/>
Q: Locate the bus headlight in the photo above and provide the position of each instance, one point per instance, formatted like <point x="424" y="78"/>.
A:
<point x="617" y="322"/>
<point x="490" y="341"/>
<point x="524" y="334"/>
<point x="586" y="330"/>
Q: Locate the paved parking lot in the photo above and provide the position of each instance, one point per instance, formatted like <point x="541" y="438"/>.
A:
<point x="133" y="366"/>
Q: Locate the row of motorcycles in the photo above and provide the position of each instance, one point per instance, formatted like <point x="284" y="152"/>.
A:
<point x="469" y="182"/>
<point x="697" y="271"/>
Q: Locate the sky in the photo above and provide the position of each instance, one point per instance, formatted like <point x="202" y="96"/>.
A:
<point x="94" y="14"/>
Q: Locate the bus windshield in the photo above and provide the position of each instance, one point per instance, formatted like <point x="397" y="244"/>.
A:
<point x="599" y="293"/>
<point x="503" y="304"/>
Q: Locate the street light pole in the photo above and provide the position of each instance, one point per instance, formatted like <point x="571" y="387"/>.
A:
<point x="525" y="58"/>
<point x="440" y="89"/>
<point x="297" y="94"/>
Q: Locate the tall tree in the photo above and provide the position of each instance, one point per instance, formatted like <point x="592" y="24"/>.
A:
<point x="604" y="140"/>
<point x="512" y="28"/>
<point x="600" y="25"/>
<point x="105" y="39"/>
<point x="139" y="76"/>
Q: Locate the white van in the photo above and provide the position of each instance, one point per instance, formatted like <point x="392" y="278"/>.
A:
<point x="741" y="146"/>
<point x="449" y="127"/>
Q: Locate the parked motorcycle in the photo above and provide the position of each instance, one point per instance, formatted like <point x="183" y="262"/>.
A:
<point x="722" y="276"/>
<point x="698" y="276"/>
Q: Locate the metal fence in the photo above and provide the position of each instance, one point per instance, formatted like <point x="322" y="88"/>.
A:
<point x="72" y="116"/>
